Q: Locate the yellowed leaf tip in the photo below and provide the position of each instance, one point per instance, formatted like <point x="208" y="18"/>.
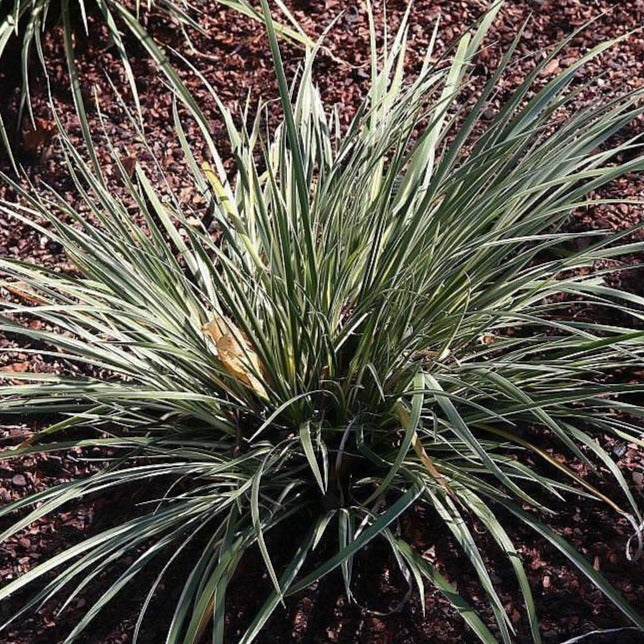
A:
<point x="235" y="353"/>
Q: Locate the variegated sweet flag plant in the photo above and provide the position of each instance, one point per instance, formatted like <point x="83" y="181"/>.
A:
<point x="381" y="320"/>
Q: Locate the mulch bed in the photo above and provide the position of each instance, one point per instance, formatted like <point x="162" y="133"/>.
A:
<point x="233" y="56"/>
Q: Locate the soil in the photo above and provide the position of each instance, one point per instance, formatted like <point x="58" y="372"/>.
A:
<point x="232" y="54"/>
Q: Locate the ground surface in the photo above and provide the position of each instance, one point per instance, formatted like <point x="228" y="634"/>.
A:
<point x="233" y="57"/>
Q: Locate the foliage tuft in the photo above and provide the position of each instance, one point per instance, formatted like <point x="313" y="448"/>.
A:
<point x="382" y="319"/>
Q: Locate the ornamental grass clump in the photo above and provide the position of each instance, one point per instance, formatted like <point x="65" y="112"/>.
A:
<point x="377" y="323"/>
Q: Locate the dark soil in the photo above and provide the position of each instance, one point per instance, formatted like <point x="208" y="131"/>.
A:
<point x="233" y="56"/>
